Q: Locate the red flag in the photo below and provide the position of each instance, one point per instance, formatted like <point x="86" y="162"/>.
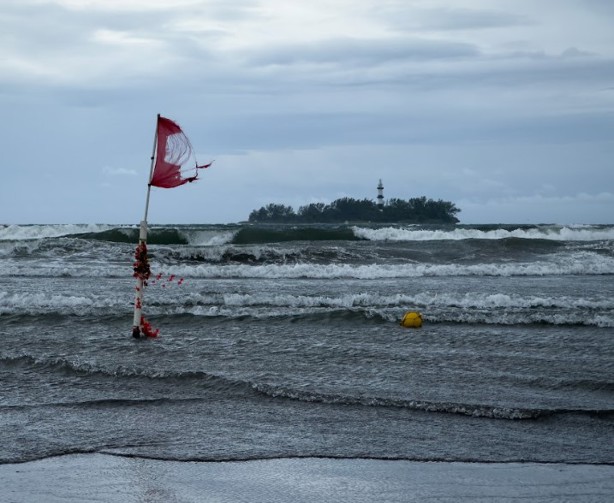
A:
<point x="172" y="152"/>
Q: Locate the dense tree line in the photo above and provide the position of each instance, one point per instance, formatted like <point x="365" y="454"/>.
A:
<point x="415" y="210"/>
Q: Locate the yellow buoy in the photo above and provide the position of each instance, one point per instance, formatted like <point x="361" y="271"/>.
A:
<point x="412" y="319"/>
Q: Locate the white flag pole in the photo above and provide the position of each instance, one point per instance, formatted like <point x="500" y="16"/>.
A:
<point x="140" y="282"/>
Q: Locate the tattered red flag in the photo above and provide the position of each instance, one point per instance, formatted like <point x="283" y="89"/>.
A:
<point x="173" y="151"/>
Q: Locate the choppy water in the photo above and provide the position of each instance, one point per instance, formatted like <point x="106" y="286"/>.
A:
<point x="284" y="341"/>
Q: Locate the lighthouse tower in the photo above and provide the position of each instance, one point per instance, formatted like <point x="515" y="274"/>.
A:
<point x="380" y="195"/>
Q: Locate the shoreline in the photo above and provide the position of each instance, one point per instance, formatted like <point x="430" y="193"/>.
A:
<point x="111" y="478"/>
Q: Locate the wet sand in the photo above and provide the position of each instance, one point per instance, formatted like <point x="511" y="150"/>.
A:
<point x="108" y="478"/>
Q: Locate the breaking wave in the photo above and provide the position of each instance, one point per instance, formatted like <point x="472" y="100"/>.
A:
<point x="256" y="266"/>
<point x="212" y="235"/>
<point x="552" y="232"/>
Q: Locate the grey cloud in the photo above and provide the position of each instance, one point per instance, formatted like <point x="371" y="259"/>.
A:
<point x="49" y="34"/>
<point x="514" y="71"/>
<point x="300" y="131"/>
<point x="469" y="19"/>
<point x="234" y="10"/>
<point x="404" y="16"/>
<point x="601" y="7"/>
<point x="49" y="27"/>
<point x="380" y="102"/>
<point x="362" y="51"/>
<point x="560" y="72"/>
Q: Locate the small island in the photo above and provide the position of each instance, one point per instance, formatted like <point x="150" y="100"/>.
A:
<point x="414" y="210"/>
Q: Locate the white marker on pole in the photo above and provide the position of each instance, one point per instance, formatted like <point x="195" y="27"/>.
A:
<point x="140" y="282"/>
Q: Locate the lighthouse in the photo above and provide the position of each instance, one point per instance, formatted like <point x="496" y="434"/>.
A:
<point x="380" y="195"/>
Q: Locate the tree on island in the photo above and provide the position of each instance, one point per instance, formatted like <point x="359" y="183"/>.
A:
<point x="415" y="210"/>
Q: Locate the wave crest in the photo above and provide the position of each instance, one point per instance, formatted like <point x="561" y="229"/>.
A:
<point x="551" y="233"/>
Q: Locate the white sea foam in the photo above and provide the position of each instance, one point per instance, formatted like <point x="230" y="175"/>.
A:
<point x="24" y="232"/>
<point x="33" y="302"/>
<point x="209" y="237"/>
<point x="359" y="300"/>
<point x="55" y="269"/>
<point x="436" y="307"/>
<point x="554" y="233"/>
<point x="579" y="263"/>
<point x="468" y="300"/>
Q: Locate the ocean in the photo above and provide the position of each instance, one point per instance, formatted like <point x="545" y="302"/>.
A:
<point x="284" y="341"/>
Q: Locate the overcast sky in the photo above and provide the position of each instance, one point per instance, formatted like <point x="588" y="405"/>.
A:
<point x="504" y="107"/>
